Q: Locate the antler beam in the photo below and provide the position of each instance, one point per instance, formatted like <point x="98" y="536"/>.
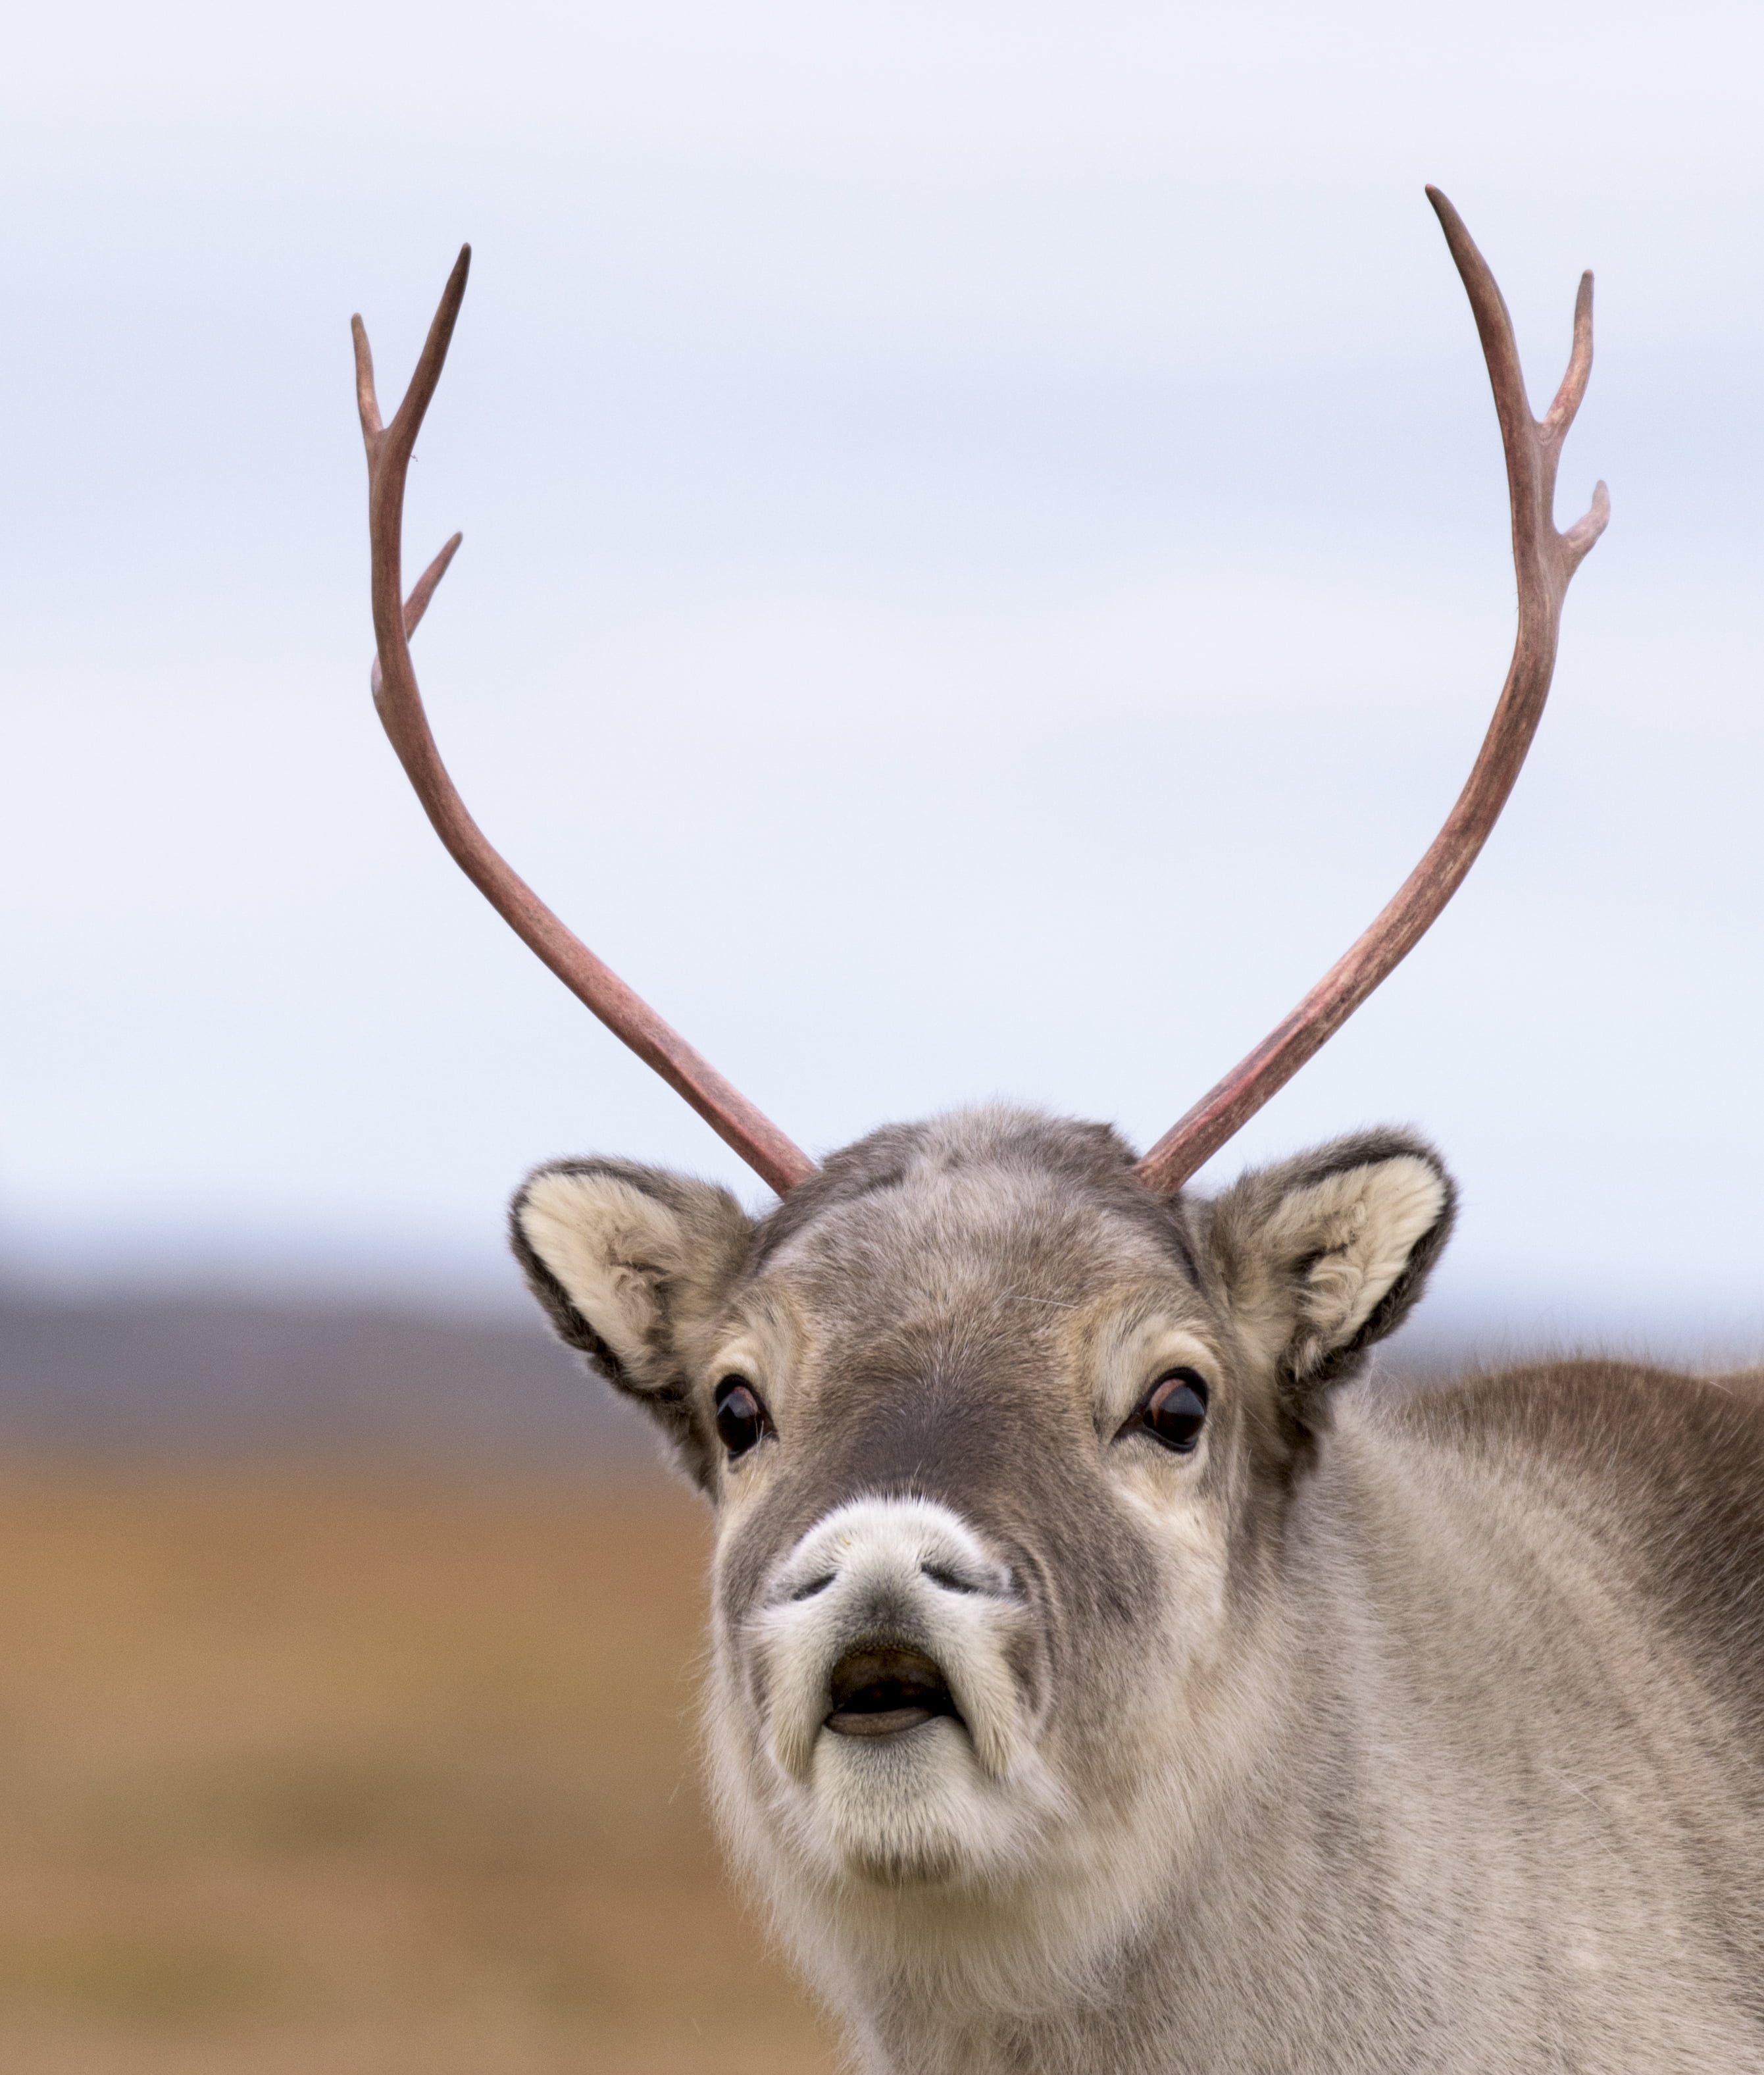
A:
<point x="400" y="704"/>
<point x="1545" y="560"/>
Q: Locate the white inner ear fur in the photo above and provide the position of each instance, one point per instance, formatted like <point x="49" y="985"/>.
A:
<point x="609" y="1245"/>
<point x="1362" y="1226"/>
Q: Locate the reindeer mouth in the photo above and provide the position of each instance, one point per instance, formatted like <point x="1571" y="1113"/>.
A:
<point x="881" y="1690"/>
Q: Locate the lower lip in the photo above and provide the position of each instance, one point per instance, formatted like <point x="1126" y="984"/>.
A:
<point x="888" y="1722"/>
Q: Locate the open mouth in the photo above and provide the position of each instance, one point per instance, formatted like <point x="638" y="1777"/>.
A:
<point x="880" y="1690"/>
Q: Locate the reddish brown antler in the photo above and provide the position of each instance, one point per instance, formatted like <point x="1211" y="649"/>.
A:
<point x="1545" y="560"/>
<point x="728" y="1111"/>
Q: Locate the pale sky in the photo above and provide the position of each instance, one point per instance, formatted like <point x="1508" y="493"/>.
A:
<point x="986" y="563"/>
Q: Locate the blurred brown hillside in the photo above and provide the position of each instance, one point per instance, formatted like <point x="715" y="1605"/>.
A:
<point x="170" y="1377"/>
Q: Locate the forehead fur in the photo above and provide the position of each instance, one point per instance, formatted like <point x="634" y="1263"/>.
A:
<point x="1044" y="1197"/>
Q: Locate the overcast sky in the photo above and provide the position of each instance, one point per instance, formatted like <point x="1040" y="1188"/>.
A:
<point x="986" y="563"/>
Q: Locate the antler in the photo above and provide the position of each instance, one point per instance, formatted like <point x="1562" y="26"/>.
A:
<point x="1545" y="560"/>
<point x="400" y="704"/>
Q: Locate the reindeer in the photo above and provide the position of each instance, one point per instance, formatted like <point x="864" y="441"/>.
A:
<point x="1106" y="1676"/>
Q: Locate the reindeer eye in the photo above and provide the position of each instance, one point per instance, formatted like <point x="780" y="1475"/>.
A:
<point x="1176" y="1411"/>
<point x="741" y="1418"/>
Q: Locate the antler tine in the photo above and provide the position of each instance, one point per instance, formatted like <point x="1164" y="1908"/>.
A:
<point x="1561" y="412"/>
<point x="728" y="1112"/>
<point x="1544" y="561"/>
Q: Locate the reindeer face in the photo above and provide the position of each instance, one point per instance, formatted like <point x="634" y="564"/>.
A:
<point x="994" y="1435"/>
<point x="959" y="1526"/>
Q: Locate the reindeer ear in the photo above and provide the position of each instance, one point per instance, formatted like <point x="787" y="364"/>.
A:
<point x="1325" y="1254"/>
<point x="633" y="1266"/>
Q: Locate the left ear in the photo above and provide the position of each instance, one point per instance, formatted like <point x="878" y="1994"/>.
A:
<point x="1325" y="1254"/>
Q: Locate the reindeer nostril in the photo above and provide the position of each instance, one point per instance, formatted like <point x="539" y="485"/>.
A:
<point x="951" y="1581"/>
<point x="814" y="1585"/>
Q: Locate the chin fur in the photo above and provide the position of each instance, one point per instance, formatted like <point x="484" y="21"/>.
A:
<point x="922" y="1878"/>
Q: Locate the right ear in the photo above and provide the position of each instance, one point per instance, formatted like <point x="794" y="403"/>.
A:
<point x="633" y="1266"/>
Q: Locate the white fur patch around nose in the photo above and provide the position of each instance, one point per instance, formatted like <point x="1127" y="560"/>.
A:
<point x="908" y="1570"/>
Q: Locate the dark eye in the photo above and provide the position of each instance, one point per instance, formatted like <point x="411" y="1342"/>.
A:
<point x="741" y="1418"/>
<point x="1176" y="1411"/>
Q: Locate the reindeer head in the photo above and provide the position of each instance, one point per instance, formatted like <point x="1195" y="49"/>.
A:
<point x="1000" y="1424"/>
<point x="993" y="1434"/>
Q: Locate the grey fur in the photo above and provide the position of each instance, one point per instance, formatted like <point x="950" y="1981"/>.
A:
<point x="1387" y="1731"/>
